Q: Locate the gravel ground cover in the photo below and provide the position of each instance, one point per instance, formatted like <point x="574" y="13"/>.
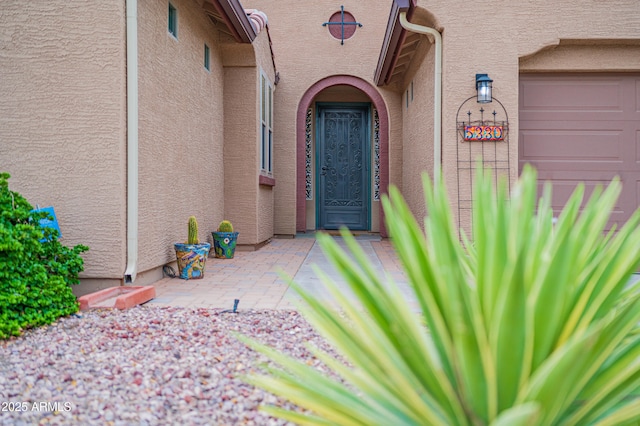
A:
<point x="146" y="366"/>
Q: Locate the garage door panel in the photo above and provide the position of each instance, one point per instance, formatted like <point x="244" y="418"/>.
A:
<point x="584" y="170"/>
<point x="572" y="178"/>
<point x="561" y="94"/>
<point x="593" y="97"/>
<point x="559" y="117"/>
<point x="564" y="188"/>
<point x="574" y="145"/>
<point x="615" y="125"/>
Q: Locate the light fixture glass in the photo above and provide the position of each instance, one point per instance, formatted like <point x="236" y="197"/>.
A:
<point x="484" y="87"/>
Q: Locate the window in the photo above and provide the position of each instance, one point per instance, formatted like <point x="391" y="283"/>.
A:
<point x="173" y="21"/>
<point x="409" y="94"/>
<point x="207" y="58"/>
<point x="266" y="123"/>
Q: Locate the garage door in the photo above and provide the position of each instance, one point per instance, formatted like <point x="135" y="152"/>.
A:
<point x="582" y="128"/>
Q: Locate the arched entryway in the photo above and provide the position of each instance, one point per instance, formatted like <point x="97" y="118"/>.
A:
<point x="380" y="125"/>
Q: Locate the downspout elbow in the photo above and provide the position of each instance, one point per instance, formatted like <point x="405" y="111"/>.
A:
<point x="437" y="102"/>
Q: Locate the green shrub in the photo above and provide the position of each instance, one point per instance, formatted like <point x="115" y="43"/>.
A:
<point x="35" y="276"/>
<point x="527" y="323"/>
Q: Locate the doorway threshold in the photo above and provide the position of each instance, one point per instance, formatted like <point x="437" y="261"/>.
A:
<point x="359" y="235"/>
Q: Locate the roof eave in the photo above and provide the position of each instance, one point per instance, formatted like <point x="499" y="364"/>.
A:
<point x="393" y="39"/>
<point x="236" y="19"/>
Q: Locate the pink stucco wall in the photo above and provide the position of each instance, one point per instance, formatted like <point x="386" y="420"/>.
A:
<point x="417" y="124"/>
<point x="241" y="155"/>
<point x="248" y="205"/>
<point x="63" y="119"/>
<point x="181" y="142"/>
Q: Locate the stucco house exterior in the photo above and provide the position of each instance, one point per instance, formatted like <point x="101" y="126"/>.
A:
<point x="128" y="116"/>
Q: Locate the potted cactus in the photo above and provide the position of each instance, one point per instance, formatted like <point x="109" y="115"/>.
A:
<point x="192" y="255"/>
<point x="224" y="240"/>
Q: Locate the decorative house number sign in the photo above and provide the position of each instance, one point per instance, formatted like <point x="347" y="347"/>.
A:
<point x="480" y="138"/>
<point x="483" y="133"/>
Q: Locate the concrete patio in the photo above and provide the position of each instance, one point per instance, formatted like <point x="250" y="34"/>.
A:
<point x="254" y="278"/>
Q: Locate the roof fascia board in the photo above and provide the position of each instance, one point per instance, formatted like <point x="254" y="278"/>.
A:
<point x="393" y="39"/>
<point x="236" y="19"/>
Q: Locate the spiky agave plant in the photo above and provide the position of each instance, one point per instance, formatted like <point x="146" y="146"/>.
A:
<point x="527" y="323"/>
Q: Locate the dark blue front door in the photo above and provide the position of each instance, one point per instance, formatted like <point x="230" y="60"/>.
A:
<point x="342" y="152"/>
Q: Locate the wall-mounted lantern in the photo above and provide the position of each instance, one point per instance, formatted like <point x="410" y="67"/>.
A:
<point x="484" y="86"/>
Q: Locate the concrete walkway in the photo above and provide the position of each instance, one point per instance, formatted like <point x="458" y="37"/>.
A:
<point x="253" y="277"/>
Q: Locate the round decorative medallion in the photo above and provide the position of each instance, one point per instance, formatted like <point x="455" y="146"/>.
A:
<point x="342" y="25"/>
<point x="336" y="30"/>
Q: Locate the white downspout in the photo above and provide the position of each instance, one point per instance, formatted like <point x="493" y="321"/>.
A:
<point x="132" y="142"/>
<point x="437" y="101"/>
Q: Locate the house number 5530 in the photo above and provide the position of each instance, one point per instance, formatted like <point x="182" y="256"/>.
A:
<point x="483" y="133"/>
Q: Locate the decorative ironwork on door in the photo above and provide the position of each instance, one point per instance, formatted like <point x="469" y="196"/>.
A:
<point x="343" y="191"/>
<point x="307" y="158"/>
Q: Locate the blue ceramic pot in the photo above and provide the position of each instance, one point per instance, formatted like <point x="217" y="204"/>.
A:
<point x="192" y="259"/>
<point x="224" y="244"/>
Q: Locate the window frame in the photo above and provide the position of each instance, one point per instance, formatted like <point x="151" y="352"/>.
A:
<point x="266" y="124"/>
<point x="207" y="57"/>
<point x="172" y="21"/>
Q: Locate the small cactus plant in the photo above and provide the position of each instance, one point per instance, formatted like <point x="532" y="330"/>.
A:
<point x="191" y="255"/>
<point x="225" y="226"/>
<point x="224" y="240"/>
<point x="193" y="231"/>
